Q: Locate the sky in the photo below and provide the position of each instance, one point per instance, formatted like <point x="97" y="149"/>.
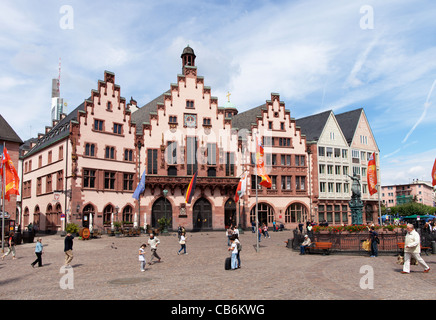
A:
<point x="319" y="55"/>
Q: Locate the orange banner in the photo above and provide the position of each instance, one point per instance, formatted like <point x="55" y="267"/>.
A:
<point x="371" y="175"/>
<point x="10" y="175"/>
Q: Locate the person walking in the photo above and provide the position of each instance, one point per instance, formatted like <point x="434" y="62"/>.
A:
<point x="182" y="243"/>
<point x="11" y="248"/>
<point x="68" y="249"/>
<point x="153" y="242"/>
<point x="412" y="248"/>
<point x="38" y="252"/>
<point x="265" y="231"/>
<point x="142" y="256"/>
<point x="239" y="247"/>
<point x="233" y="247"/>
<point x="374" y="241"/>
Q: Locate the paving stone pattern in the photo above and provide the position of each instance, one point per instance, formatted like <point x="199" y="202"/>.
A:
<point x="108" y="268"/>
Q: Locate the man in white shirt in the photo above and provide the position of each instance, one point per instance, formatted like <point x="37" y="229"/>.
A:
<point x="412" y="248"/>
<point x="153" y="242"/>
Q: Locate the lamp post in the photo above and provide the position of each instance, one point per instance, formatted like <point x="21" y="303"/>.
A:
<point x="165" y="192"/>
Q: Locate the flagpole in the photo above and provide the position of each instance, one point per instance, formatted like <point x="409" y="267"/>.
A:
<point x="3" y="200"/>
<point x="257" y="209"/>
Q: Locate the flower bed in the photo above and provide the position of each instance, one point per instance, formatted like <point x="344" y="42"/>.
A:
<point x="355" y="228"/>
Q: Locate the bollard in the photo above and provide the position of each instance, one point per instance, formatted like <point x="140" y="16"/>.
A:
<point x="433" y="247"/>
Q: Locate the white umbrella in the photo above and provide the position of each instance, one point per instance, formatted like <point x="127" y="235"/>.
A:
<point x="90" y="223"/>
<point x="112" y="221"/>
<point x="135" y="221"/>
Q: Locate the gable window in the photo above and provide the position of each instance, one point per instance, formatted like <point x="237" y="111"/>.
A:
<point x="190" y="104"/>
<point x="98" y="125"/>
<point x="118" y="128"/>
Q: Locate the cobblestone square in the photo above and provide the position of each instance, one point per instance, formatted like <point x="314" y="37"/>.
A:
<point x="108" y="269"/>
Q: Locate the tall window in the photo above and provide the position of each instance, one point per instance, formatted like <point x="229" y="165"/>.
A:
<point x="230" y="164"/>
<point x="60" y="180"/>
<point x="191" y="152"/>
<point x="172" y="152"/>
<point x="109" y="180"/>
<point x="152" y="161"/>
<point x="300" y="183"/>
<point x="127" y="214"/>
<point x="90" y="149"/>
<point x="107" y="214"/>
<point x="48" y="186"/>
<point x="211" y="154"/>
<point x="88" y="178"/>
<point x="110" y="153"/>
<point x="286" y="182"/>
<point x="128" y="181"/>
<point x="128" y="155"/>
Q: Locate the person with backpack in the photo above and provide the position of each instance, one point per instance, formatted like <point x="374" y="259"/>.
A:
<point x="234" y="248"/>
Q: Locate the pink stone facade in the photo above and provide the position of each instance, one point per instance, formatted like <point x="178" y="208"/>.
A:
<point x="86" y="168"/>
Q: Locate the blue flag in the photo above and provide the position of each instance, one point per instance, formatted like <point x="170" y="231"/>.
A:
<point x="140" y="188"/>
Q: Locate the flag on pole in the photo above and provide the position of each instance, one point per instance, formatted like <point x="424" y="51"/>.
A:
<point x="433" y="174"/>
<point x="266" y="180"/>
<point x="242" y="186"/>
<point x="371" y="175"/>
<point x="11" y="184"/>
<point x="140" y="188"/>
<point x="191" y="189"/>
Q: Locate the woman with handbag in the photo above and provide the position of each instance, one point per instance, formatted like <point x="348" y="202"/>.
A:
<point x="182" y="243"/>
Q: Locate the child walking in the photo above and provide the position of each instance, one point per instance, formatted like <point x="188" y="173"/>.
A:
<point x="182" y="243"/>
<point x="142" y="256"/>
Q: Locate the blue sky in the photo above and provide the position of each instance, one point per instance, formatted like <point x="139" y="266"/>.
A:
<point x="319" y="55"/>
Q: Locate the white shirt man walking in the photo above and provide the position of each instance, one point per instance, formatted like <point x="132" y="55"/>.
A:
<point x="412" y="248"/>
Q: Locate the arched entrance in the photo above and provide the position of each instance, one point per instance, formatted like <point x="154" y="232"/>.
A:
<point x="202" y="215"/>
<point x="265" y="213"/>
<point x="230" y="213"/>
<point x="296" y="212"/>
<point x="161" y="208"/>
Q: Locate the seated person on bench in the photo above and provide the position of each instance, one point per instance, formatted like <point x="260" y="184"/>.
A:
<point x="306" y="243"/>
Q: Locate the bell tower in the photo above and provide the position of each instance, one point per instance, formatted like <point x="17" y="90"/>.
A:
<point x="188" y="58"/>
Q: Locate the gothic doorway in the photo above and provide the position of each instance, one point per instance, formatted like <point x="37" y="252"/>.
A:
<point x="202" y="215"/>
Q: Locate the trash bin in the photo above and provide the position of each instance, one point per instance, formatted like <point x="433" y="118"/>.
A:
<point x="433" y="247"/>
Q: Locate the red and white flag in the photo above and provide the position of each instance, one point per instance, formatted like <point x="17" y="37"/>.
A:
<point x="242" y="186"/>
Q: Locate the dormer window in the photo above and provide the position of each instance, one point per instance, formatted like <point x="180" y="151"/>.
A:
<point x="190" y="104"/>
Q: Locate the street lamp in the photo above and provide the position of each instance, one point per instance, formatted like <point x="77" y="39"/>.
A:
<point x="165" y="192"/>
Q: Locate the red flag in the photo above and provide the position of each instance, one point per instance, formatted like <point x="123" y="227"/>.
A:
<point x="10" y="175"/>
<point x="266" y="180"/>
<point x="433" y="174"/>
<point x="371" y="175"/>
<point x="191" y="189"/>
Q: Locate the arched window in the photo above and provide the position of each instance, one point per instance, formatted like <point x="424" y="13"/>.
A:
<point x="296" y="212"/>
<point x="107" y="214"/>
<point x="127" y="214"/>
<point x="265" y="213"/>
